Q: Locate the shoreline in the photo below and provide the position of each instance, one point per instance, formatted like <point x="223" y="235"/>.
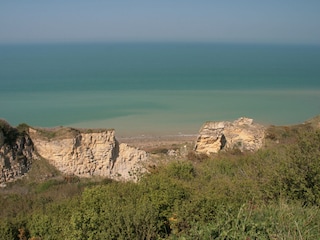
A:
<point x="151" y="142"/>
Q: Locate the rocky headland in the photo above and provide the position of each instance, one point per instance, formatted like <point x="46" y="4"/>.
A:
<point x="97" y="152"/>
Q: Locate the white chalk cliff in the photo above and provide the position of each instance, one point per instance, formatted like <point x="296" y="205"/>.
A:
<point x="90" y="153"/>
<point x="242" y="134"/>
<point x="96" y="152"/>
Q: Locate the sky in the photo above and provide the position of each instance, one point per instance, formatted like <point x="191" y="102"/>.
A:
<point x="235" y="21"/>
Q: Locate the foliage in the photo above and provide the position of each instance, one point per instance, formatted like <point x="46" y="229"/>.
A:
<point x="301" y="174"/>
<point x="276" y="221"/>
<point x="42" y="187"/>
<point x="8" y="230"/>
<point x="126" y="211"/>
<point x="183" y="171"/>
<point x="271" y="194"/>
<point x="9" y="132"/>
<point x="56" y="133"/>
<point x="196" y="157"/>
<point x="23" y="127"/>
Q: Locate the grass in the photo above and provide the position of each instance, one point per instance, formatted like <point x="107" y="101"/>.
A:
<point x="63" y="132"/>
<point x="270" y="194"/>
<point x="56" y="133"/>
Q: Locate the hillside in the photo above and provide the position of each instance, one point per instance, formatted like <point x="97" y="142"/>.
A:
<point x="272" y="193"/>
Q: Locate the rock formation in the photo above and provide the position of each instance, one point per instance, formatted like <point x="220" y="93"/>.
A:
<point x="89" y="153"/>
<point x="72" y="151"/>
<point x="242" y="134"/>
<point x="16" y="153"/>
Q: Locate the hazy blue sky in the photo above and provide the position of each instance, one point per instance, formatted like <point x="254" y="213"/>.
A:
<point x="262" y="21"/>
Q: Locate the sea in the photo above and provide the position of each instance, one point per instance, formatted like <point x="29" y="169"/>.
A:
<point x="157" y="88"/>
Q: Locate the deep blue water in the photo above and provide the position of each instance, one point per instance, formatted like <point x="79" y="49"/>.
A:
<point x="160" y="86"/>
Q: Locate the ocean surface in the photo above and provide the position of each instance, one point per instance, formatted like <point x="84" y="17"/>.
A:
<point x="157" y="88"/>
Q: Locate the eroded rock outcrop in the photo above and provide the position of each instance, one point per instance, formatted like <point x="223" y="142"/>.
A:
<point x="242" y="134"/>
<point x="16" y="153"/>
<point x="89" y="153"/>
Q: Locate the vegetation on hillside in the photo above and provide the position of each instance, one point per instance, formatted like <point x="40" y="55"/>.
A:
<point x="11" y="133"/>
<point x="271" y="194"/>
<point x="64" y="132"/>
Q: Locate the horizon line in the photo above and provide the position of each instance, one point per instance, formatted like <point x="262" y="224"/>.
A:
<point x="158" y="42"/>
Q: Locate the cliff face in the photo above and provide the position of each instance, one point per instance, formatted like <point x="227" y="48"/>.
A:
<point x="242" y="134"/>
<point x="98" y="153"/>
<point x="89" y="153"/>
<point x="16" y="153"/>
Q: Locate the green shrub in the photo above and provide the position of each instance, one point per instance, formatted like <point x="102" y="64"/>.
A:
<point x="115" y="211"/>
<point x="270" y="194"/>
<point x="23" y="127"/>
<point x="8" y="230"/>
<point x="181" y="170"/>
<point x="300" y="173"/>
<point x="196" y="157"/>
<point x="45" y="186"/>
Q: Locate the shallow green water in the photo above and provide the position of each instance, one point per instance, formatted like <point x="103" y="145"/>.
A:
<point x="157" y="88"/>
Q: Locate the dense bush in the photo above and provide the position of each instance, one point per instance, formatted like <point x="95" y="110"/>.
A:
<point x="300" y="173"/>
<point x="272" y="194"/>
<point x="8" y="230"/>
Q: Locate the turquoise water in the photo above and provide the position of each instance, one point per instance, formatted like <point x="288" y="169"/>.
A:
<point x="157" y="88"/>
